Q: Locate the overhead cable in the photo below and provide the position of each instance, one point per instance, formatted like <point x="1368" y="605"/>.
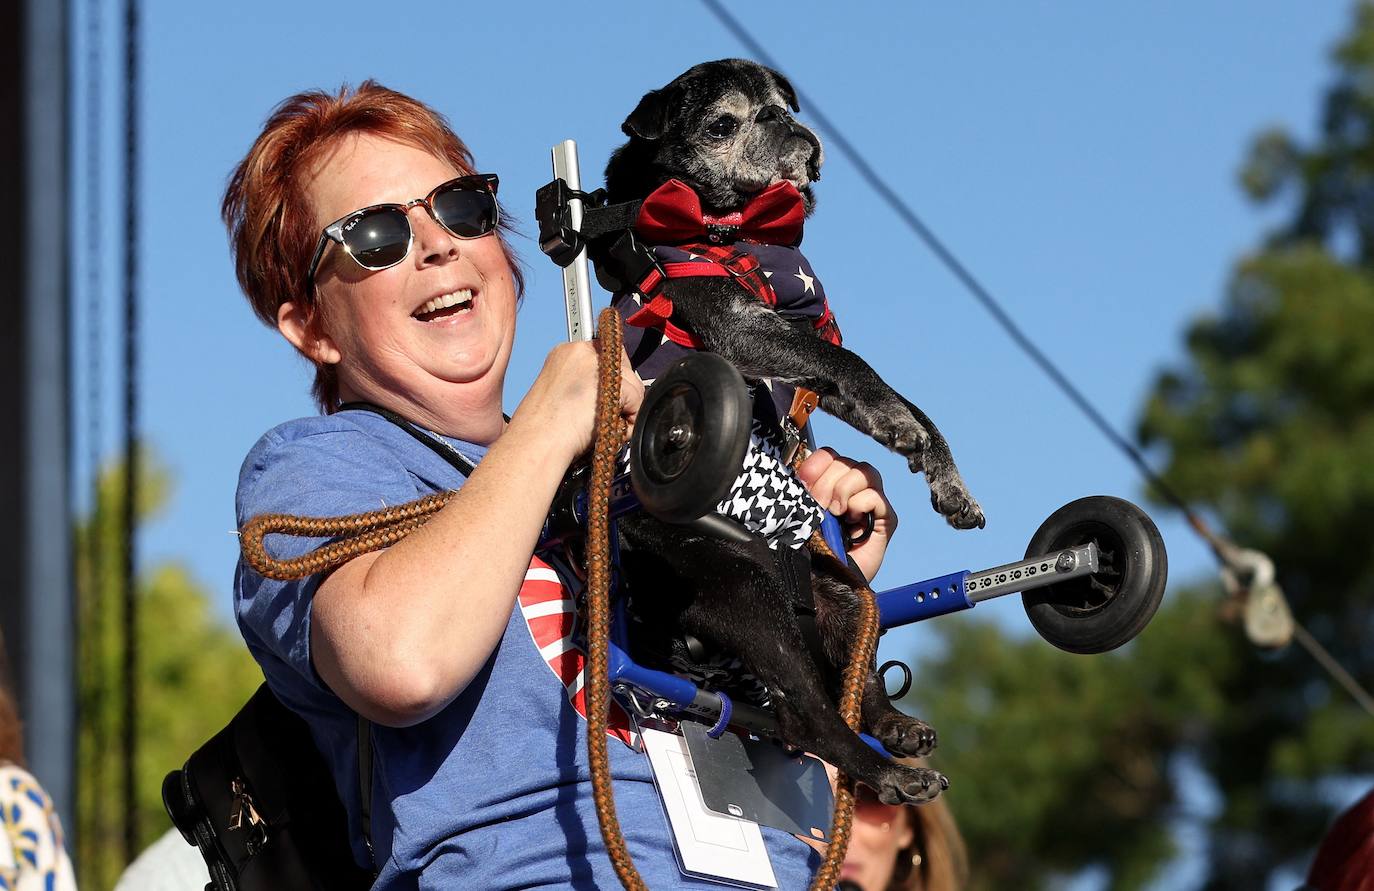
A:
<point x="1221" y="546"/>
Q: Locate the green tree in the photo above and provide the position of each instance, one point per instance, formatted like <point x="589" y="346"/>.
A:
<point x="193" y="674"/>
<point x="1060" y="762"/>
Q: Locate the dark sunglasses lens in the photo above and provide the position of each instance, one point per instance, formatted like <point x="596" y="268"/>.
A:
<point x="868" y="808"/>
<point x="378" y="238"/>
<point x="466" y="212"/>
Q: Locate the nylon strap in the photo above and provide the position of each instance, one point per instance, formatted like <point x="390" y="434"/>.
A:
<point x="463" y="465"/>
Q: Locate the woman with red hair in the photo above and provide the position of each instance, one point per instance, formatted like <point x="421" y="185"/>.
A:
<point x="363" y="232"/>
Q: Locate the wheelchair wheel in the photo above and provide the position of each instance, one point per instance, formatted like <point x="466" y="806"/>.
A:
<point x="690" y="438"/>
<point x="1099" y="612"/>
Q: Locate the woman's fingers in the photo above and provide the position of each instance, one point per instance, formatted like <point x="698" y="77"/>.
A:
<point x="631" y="389"/>
<point x="844" y="487"/>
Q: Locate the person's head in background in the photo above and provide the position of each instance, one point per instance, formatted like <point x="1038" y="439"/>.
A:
<point x="904" y="848"/>
<point x="11" y="730"/>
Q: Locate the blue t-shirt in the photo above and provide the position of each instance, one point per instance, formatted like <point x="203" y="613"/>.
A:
<point x="493" y="792"/>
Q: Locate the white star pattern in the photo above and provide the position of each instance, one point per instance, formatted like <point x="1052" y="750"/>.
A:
<point x="768" y="273"/>
<point x="808" y="281"/>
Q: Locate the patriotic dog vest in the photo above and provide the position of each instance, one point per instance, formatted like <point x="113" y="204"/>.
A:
<point x="766" y="497"/>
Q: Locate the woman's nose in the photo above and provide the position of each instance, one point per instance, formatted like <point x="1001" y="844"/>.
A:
<point x="433" y="243"/>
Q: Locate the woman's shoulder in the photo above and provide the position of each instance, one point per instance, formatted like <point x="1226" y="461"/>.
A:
<point x="16" y="783"/>
<point x="332" y="450"/>
<point x="30" y="824"/>
<point x="344" y="424"/>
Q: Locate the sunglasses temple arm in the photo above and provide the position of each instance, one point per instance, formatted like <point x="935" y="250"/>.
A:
<point x="325" y="238"/>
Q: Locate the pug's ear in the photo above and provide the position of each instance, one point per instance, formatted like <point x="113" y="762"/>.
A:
<point x="650" y="117"/>
<point x="785" y="87"/>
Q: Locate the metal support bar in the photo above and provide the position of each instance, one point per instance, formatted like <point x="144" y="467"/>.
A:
<point x="577" y="289"/>
<point x="1033" y="572"/>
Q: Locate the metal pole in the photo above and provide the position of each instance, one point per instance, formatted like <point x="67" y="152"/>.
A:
<point x="131" y="459"/>
<point x="37" y="611"/>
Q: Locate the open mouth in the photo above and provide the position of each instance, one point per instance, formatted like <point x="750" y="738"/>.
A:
<point x="445" y="306"/>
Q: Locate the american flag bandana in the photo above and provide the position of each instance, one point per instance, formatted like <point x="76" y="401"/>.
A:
<point x="550" y="611"/>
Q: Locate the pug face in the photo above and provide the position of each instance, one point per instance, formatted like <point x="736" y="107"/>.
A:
<point x="726" y="129"/>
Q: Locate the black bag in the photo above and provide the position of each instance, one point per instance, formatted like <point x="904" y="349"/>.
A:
<point x="259" y="802"/>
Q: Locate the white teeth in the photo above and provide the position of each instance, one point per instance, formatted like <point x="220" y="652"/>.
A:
<point x="462" y="296"/>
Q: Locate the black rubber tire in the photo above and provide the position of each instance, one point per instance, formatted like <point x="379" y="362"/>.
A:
<point x="704" y="395"/>
<point x="1100" y="612"/>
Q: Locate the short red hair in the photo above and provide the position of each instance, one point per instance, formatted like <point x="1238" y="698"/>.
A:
<point x="272" y="231"/>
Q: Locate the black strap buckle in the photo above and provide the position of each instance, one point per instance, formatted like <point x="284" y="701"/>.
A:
<point x="552" y="210"/>
<point x="627" y="264"/>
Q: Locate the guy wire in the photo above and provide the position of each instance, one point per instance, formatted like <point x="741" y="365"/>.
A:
<point x="952" y="263"/>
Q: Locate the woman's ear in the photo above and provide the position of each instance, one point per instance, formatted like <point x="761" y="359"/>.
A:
<point x="299" y="325"/>
<point x="906" y="832"/>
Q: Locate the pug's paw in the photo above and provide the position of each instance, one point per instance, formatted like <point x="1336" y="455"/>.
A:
<point x="910" y="785"/>
<point x="904" y="735"/>
<point x="952" y="500"/>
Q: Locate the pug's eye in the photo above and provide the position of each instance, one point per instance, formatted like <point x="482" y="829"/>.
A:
<point x="722" y="127"/>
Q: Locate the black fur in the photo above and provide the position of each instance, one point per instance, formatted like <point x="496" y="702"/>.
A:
<point x="732" y="595"/>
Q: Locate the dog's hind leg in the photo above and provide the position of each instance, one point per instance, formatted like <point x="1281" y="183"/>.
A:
<point x="741" y="604"/>
<point x="837" y="612"/>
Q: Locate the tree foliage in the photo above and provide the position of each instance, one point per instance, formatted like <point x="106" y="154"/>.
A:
<point x="193" y="674"/>
<point x="1060" y="762"/>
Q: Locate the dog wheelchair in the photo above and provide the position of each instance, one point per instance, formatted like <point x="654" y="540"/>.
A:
<point x="1092" y="577"/>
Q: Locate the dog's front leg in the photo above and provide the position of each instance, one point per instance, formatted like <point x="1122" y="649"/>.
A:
<point x="761" y="344"/>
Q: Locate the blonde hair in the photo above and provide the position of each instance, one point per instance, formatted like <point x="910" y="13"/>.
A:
<point x="944" y="859"/>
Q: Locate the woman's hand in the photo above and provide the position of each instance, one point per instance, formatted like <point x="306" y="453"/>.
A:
<point x="850" y="489"/>
<point x="563" y="397"/>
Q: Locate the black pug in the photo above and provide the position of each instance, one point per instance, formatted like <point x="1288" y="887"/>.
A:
<point x="724" y="131"/>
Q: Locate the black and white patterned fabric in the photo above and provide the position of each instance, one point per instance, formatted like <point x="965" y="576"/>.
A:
<point x="767" y="498"/>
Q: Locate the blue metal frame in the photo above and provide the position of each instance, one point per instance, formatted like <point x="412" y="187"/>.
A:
<point x="667" y="692"/>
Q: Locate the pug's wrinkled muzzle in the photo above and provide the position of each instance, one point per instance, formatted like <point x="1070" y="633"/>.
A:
<point x="813" y="163"/>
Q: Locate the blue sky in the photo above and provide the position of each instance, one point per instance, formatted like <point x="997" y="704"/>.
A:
<point x="1081" y="161"/>
<point x="1079" y="157"/>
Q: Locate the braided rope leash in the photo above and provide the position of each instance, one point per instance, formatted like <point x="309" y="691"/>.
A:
<point x="851" y="702"/>
<point x="610" y="432"/>
<point x="357" y="534"/>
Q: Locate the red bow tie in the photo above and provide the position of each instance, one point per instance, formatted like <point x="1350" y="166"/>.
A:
<point x="672" y="215"/>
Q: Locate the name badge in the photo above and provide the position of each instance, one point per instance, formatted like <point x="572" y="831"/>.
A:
<point x="720" y="847"/>
<point x="758" y="780"/>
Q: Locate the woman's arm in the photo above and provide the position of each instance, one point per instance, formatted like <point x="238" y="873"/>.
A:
<point x="398" y="634"/>
<point x="849" y="489"/>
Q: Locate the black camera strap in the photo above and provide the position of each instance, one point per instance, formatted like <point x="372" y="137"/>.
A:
<point x="463" y="465"/>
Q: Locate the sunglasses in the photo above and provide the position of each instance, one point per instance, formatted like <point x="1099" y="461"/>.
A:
<point x="380" y="236"/>
<point x="868" y="808"/>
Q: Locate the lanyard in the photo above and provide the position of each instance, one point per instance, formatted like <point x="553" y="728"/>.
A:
<point x="441" y="447"/>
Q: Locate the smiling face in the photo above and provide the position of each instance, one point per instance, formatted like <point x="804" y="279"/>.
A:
<point x="425" y="336"/>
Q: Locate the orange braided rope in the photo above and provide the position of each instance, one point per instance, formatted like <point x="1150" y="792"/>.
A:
<point x="851" y="701"/>
<point x="358" y="534"/>
<point x="610" y="432"/>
